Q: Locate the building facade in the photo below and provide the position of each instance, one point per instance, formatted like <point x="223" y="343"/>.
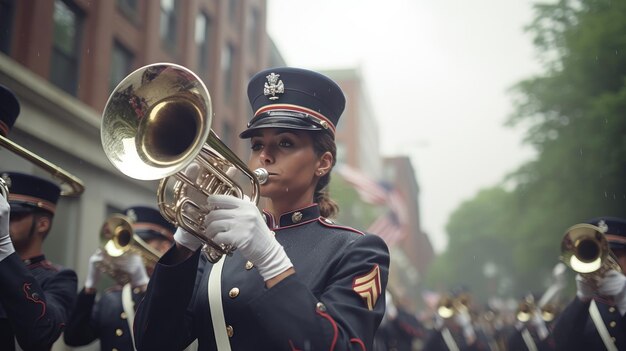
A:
<point x="63" y="58"/>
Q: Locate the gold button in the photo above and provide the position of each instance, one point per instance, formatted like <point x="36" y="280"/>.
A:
<point x="612" y="324"/>
<point x="611" y="309"/>
<point x="296" y="217"/>
<point x="137" y="290"/>
<point x="320" y="307"/>
<point x="119" y="332"/>
<point x="273" y="233"/>
<point x="114" y="349"/>
<point x="234" y="292"/>
<point x="249" y="265"/>
<point x="229" y="331"/>
<point x="123" y="315"/>
<point x="324" y="124"/>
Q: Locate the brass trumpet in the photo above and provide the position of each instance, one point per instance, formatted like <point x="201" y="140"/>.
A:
<point x="156" y="123"/>
<point x="584" y="248"/>
<point x="117" y="238"/>
<point x="448" y="305"/>
<point x="70" y="185"/>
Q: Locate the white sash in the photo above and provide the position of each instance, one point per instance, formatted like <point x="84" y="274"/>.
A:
<point x="449" y="340"/>
<point x="215" y="304"/>
<point x="528" y="340"/>
<point x="129" y="309"/>
<point x="601" y="327"/>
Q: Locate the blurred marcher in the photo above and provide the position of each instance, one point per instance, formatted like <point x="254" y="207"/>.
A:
<point x="594" y="319"/>
<point x="530" y="331"/>
<point x="400" y="329"/>
<point x="36" y="296"/>
<point x="453" y="328"/>
<point x="110" y="318"/>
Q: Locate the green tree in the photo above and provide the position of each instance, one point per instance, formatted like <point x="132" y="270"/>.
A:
<point x="574" y="112"/>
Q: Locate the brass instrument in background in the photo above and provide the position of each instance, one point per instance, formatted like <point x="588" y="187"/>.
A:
<point x="118" y="238"/>
<point x="156" y="123"/>
<point x="584" y="248"/>
<point x="528" y="308"/>
<point x="70" y="185"/>
<point x="449" y="305"/>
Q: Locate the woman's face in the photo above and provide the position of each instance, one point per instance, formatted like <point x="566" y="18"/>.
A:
<point x="290" y="159"/>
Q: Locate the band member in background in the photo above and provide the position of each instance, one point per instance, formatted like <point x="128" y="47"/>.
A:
<point x="36" y="296"/>
<point x="454" y="328"/>
<point x="110" y="318"/>
<point x="594" y="320"/>
<point x="296" y="281"/>
<point x="530" y="331"/>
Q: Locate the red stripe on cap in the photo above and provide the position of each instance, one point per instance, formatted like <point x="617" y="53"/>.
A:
<point x="4" y="128"/>
<point x="151" y="226"/>
<point x="296" y="108"/>
<point x="616" y="238"/>
<point x="38" y="202"/>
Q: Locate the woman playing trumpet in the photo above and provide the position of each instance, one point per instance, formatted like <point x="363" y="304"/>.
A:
<point x="296" y="281"/>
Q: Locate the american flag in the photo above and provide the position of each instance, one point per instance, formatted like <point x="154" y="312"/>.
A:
<point x="391" y="226"/>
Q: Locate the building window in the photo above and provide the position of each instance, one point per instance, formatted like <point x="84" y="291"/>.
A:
<point x="203" y="41"/>
<point x="168" y="24"/>
<point x="129" y="9"/>
<point x="252" y="24"/>
<point x="121" y="64"/>
<point x="232" y="10"/>
<point x="65" y="51"/>
<point x="7" y="13"/>
<point x="228" y="62"/>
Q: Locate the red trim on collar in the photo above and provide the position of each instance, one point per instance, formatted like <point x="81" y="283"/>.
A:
<point x="321" y="220"/>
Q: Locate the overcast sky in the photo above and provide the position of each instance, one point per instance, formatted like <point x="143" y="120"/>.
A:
<point x="437" y="73"/>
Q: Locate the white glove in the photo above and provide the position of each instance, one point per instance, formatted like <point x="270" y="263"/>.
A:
<point x="614" y="285"/>
<point x="239" y="223"/>
<point x="132" y="264"/>
<point x="465" y="322"/>
<point x="93" y="272"/>
<point x="584" y="290"/>
<point x="6" y="245"/>
<point x="186" y="239"/>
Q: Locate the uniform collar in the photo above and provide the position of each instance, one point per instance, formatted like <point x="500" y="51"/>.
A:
<point x="295" y="217"/>
<point x="34" y="260"/>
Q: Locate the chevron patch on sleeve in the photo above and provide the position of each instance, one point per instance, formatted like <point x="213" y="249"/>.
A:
<point x="368" y="286"/>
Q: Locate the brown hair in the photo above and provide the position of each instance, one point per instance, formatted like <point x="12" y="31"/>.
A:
<point x="323" y="142"/>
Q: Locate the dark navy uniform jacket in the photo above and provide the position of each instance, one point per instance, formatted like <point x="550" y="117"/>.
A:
<point x="317" y="308"/>
<point x="36" y="300"/>
<point x="104" y="320"/>
<point x="574" y="330"/>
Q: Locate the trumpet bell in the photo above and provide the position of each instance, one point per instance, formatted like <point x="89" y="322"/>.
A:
<point x="156" y="121"/>
<point x="584" y="248"/>
<point x="116" y="235"/>
<point x="157" y="125"/>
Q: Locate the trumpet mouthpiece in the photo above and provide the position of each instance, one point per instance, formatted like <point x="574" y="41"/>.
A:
<point x="261" y="175"/>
